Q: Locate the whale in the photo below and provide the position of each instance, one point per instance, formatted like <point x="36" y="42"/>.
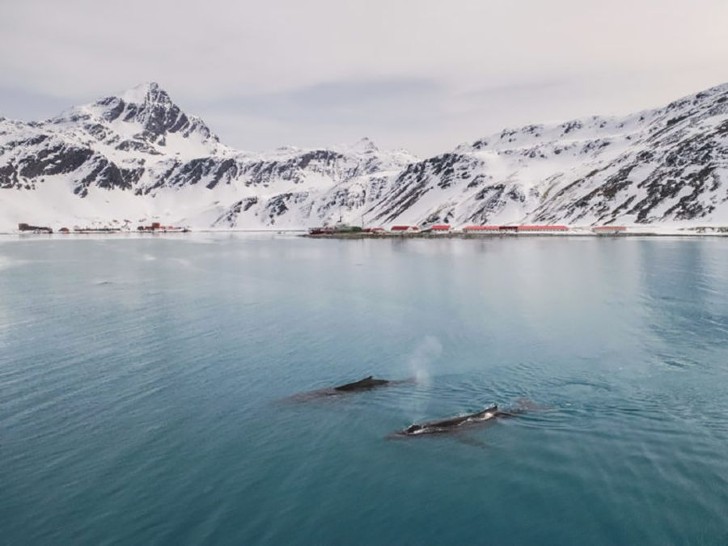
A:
<point x="455" y="424"/>
<point x="362" y="385"/>
<point x="366" y="384"/>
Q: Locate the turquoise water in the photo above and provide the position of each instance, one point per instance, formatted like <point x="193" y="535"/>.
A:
<point x="144" y="389"/>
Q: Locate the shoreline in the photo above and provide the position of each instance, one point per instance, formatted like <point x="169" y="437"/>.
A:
<point x="511" y="235"/>
<point x="718" y="231"/>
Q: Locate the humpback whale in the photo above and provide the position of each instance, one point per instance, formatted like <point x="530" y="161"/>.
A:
<point x="366" y="384"/>
<point x="362" y="385"/>
<point x="454" y="424"/>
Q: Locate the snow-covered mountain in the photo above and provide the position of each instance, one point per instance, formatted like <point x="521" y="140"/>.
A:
<point x="137" y="157"/>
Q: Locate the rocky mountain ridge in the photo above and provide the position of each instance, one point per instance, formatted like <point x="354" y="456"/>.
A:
<point x="138" y="156"/>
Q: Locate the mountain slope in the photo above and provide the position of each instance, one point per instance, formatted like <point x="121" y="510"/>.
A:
<point x="665" y="165"/>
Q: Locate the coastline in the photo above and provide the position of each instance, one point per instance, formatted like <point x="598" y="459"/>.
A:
<point x="580" y="232"/>
<point x="515" y="235"/>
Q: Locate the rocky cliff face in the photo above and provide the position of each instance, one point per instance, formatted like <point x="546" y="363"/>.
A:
<point x="138" y="155"/>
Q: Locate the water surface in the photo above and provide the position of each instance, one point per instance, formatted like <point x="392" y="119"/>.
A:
<point x="144" y="385"/>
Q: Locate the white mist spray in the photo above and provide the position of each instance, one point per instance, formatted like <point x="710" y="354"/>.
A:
<point x="422" y="357"/>
<point x="420" y="363"/>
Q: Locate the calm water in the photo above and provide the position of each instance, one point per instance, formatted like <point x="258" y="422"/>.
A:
<point x="143" y="387"/>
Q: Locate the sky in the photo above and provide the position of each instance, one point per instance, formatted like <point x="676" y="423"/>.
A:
<point x="425" y="75"/>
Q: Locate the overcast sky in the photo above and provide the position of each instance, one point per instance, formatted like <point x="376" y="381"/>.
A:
<point x="425" y="75"/>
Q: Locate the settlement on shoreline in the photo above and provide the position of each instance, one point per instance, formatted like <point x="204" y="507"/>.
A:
<point x="438" y="231"/>
<point x="445" y="231"/>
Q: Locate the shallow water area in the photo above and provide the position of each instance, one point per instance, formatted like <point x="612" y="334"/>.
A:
<point x="146" y="384"/>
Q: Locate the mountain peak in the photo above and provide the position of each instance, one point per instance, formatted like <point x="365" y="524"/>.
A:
<point x="138" y="118"/>
<point x="149" y="106"/>
<point x="362" y="146"/>
<point x="365" y="144"/>
<point x="148" y="92"/>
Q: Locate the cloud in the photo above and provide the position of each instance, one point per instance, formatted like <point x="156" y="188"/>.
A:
<point x="18" y="103"/>
<point x="430" y="72"/>
<point x="389" y="101"/>
<point x="330" y="113"/>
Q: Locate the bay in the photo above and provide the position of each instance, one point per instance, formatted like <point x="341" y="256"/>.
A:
<point x="145" y="389"/>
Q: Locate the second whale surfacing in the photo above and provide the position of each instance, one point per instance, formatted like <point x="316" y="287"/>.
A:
<point x="362" y="385"/>
<point x="366" y="384"/>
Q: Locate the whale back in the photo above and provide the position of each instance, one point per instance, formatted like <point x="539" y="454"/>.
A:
<point x="366" y="383"/>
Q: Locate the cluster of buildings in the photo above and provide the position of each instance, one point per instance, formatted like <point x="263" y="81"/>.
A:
<point x="23" y="227"/>
<point x="158" y="227"/>
<point x="154" y="227"/>
<point x="490" y="229"/>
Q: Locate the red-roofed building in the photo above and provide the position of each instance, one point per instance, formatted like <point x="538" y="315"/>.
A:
<point x="401" y="228"/>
